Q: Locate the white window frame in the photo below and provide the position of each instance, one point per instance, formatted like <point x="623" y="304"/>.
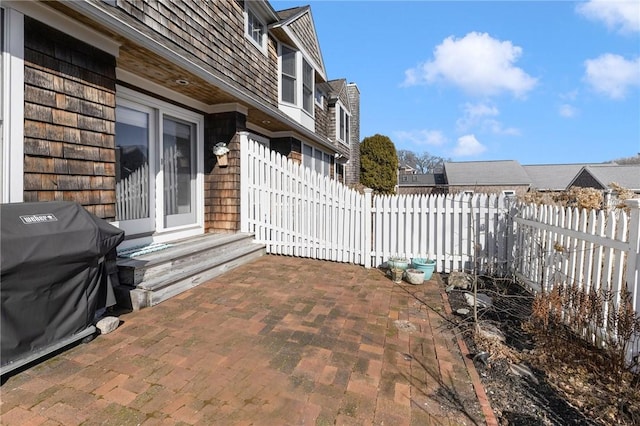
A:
<point x="250" y="20"/>
<point x="308" y="92"/>
<point x="12" y="115"/>
<point x="293" y="77"/>
<point x="319" y="97"/>
<point x="342" y="124"/>
<point x="509" y="193"/>
<point x="296" y="108"/>
<point x="310" y="160"/>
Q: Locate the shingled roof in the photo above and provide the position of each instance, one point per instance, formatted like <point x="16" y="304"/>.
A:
<point x="552" y="177"/>
<point x="627" y="176"/>
<point x="502" y="172"/>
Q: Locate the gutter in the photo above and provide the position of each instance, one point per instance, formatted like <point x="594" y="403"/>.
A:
<point x="103" y="17"/>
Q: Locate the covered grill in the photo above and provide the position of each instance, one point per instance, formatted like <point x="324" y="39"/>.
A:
<point x="54" y="277"/>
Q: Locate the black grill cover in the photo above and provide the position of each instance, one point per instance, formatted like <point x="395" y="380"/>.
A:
<point x="54" y="274"/>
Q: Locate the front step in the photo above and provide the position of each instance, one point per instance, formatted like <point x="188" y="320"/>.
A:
<point x="155" y="277"/>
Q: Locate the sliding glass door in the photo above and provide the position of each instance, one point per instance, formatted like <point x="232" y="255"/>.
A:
<point x="157" y="164"/>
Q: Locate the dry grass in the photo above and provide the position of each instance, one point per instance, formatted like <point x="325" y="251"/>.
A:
<point x="598" y="381"/>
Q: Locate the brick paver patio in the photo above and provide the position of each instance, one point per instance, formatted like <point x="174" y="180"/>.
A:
<point x="281" y="341"/>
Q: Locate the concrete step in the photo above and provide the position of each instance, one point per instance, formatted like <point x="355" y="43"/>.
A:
<point x="155" y="277"/>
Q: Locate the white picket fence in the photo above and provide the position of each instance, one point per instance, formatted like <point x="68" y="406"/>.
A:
<point x="132" y="195"/>
<point x="295" y="211"/>
<point x="592" y="251"/>
<point x="298" y="212"/>
<point x="460" y="232"/>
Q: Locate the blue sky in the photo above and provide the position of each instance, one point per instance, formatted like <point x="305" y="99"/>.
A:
<point x="535" y="81"/>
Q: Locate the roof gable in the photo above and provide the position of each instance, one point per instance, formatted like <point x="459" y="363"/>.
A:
<point x="552" y="177"/>
<point x="627" y="176"/>
<point x="296" y="27"/>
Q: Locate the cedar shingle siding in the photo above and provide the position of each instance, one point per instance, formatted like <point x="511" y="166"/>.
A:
<point x="213" y="33"/>
<point x="303" y="27"/>
<point x="69" y="121"/>
<point x="70" y="95"/>
<point x="352" y="173"/>
<point x="222" y="185"/>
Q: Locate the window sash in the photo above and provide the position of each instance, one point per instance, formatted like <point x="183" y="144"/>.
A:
<point x="288" y="80"/>
<point x="307" y="87"/>
<point x="255" y="27"/>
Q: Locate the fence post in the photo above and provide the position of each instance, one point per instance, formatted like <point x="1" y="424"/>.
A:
<point x="367" y="228"/>
<point x="633" y="260"/>
<point x="633" y="269"/>
<point x="244" y="181"/>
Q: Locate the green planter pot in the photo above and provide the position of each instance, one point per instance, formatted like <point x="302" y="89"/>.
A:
<point x="426" y="265"/>
<point x="398" y="262"/>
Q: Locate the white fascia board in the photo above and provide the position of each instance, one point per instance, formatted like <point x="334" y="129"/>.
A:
<point x="51" y="17"/>
<point x="230" y="107"/>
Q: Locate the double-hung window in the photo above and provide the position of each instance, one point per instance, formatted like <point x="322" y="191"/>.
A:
<point x="288" y="80"/>
<point x="307" y="87"/>
<point x="343" y="125"/>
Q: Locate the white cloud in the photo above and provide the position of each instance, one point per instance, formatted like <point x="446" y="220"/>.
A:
<point x="612" y="75"/>
<point x="475" y="116"/>
<point x="621" y="15"/>
<point x="567" y="111"/>
<point x="496" y="127"/>
<point x="477" y="63"/>
<point x="569" y="96"/>
<point x="420" y="138"/>
<point x="468" y="146"/>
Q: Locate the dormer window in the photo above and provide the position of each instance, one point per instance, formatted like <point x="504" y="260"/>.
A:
<point x="255" y="30"/>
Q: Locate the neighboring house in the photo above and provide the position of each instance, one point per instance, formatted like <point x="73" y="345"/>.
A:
<point x="429" y="183"/>
<point x="552" y="177"/>
<point x="601" y="176"/>
<point x="118" y="104"/>
<point x="405" y="169"/>
<point x="500" y="177"/>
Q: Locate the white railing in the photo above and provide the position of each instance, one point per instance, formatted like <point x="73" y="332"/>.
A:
<point x="132" y="195"/>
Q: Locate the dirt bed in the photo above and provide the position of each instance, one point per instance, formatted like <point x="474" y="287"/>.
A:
<point x="540" y="380"/>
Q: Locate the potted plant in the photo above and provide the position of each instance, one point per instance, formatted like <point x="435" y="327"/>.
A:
<point x="425" y="264"/>
<point x="414" y="276"/>
<point x="398" y="262"/>
<point x="221" y="151"/>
